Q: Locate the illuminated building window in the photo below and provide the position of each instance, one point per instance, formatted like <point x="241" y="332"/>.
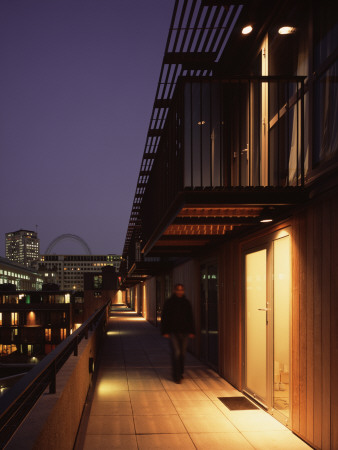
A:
<point x="97" y="281"/>
<point x="14" y="318"/>
<point x="63" y="333"/>
<point x="48" y="334"/>
<point x="0" y="318"/>
<point x="14" y="333"/>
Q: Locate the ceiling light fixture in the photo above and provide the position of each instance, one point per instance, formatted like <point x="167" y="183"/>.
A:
<point x="266" y="216"/>
<point x="287" y="30"/>
<point x="247" y="29"/>
<point x="201" y="122"/>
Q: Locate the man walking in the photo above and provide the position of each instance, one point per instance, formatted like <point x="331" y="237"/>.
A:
<point x="177" y="323"/>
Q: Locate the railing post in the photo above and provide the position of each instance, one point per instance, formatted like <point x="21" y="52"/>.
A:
<point x="52" y="385"/>
<point x="76" y="348"/>
<point x="302" y="134"/>
<point x="239" y="129"/>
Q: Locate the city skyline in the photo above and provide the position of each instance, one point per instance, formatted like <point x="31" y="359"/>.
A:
<point x="80" y="76"/>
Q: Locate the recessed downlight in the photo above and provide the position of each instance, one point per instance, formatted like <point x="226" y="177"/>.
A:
<point x="287" y="30"/>
<point x="247" y="29"/>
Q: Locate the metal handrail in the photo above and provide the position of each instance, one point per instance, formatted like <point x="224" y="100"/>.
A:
<point x="19" y="400"/>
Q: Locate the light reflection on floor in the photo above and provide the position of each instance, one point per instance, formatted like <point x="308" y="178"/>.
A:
<point x="136" y="405"/>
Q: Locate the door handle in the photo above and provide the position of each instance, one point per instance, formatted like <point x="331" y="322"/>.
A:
<point x="263" y="309"/>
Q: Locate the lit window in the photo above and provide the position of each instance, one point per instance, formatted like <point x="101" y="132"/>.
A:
<point x="63" y="333"/>
<point x="48" y="334"/>
<point x="14" y="318"/>
<point x="0" y="318"/>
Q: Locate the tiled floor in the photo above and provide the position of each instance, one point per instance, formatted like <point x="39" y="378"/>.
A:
<point x="135" y="405"/>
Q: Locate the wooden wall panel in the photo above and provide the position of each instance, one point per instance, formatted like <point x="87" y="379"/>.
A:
<point x="317" y="329"/>
<point x="325" y="325"/>
<point x="138" y="298"/>
<point x="230" y="307"/>
<point x="149" y="305"/>
<point x="315" y="274"/>
<point x="334" y="326"/>
<point x="308" y="231"/>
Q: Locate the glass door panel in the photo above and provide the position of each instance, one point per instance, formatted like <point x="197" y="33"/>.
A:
<point x="282" y="300"/>
<point x="267" y="293"/>
<point x="256" y="323"/>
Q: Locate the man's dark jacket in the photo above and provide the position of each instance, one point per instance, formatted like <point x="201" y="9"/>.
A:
<point x="177" y="316"/>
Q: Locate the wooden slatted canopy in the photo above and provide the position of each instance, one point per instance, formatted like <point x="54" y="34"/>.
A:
<point x="199" y="31"/>
<point x="201" y="217"/>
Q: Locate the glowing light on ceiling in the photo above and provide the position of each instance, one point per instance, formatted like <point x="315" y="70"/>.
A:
<point x="287" y="30"/>
<point x="247" y="29"/>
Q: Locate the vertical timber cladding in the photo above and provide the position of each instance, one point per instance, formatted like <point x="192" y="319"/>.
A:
<point x="230" y="312"/>
<point x="314" y="357"/>
<point x="315" y="323"/>
<point x="138" y="298"/>
<point x="149" y="299"/>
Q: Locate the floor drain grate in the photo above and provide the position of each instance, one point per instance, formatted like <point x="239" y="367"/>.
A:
<point x="237" y="403"/>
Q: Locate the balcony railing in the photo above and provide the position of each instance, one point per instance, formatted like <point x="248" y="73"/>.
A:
<point x="19" y="400"/>
<point x="224" y="134"/>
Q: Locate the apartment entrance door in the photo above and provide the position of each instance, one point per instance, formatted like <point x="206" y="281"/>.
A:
<point x="209" y="313"/>
<point x="267" y="301"/>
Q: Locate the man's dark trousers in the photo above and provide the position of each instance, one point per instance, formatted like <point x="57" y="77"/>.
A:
<point x="179" y="343"/>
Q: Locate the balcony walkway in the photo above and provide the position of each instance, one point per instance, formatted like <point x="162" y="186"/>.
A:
<point x="134" y="404"/>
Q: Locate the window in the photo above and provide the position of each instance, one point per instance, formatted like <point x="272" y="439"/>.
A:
<point x="63" y="333"/>
<point x="14" y="333"/>
<point x="97" y="281"/>
<point x="0" y="318"/>
<point x="14" y="318"/>
<point x="48" y="334"/>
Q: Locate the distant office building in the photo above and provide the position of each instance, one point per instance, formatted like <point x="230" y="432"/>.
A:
<point x="48" y="273"/>
<point x="23" y="247"/>
<point x="33" y="323"/>
<point x="70" y="268"/>
<point x="20" y="276"/>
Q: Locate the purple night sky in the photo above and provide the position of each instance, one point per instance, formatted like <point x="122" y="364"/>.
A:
<point x="77" y="84"/>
